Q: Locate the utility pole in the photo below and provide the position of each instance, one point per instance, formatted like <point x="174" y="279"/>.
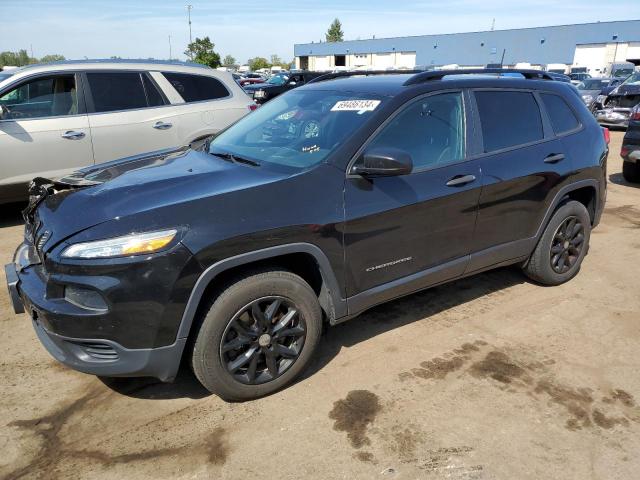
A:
<point x="169" y="47"/>
<point x="493" y="24"/>
<point x="189" y="7"/>
<point x="31" y="47"/>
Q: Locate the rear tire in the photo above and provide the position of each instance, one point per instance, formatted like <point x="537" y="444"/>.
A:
<point x="631" y="172"/>
<point x="562" y="247"/>
<point x="257" y="336"/>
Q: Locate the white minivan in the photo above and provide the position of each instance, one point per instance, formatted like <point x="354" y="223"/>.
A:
<point x="55" y="118"/>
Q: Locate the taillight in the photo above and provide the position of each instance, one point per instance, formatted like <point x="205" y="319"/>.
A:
<point x="635" y="113"/>
<point x="252" y="107"/>
<point x="624" y="151"/>
<point x="607" y="135"/>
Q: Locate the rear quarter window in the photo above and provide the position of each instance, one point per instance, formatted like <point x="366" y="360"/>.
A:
<point x="196" y="88"/>
<point x="562" y="118"/>
<point x="508" y="119"/>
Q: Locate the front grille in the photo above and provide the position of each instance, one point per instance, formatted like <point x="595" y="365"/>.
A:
<point x="99" y="351"/>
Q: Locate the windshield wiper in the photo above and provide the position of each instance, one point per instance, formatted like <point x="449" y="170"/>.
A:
<point x="235" y="158"/>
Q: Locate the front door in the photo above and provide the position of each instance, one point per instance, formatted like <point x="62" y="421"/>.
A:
<point x="44" y="132"/>
<point x="404" y="229"/>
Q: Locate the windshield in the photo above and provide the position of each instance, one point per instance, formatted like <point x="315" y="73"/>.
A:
<point x="623" y="72"/>
<point x="298" y="129"/>
<point x="278" y="80"/>
<point x="592" y="84"/>
<point x="633" y="79"/>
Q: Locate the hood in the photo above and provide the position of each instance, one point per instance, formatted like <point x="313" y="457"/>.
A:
<point x="119" y="189"/>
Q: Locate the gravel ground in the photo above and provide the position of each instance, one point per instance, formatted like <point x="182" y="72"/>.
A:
<point x="490" y="377"/>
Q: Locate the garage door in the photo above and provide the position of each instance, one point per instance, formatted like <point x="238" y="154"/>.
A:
<point x="406" y="60"/>
<point x="382" y="60"/>
<point x="322" y="63"/>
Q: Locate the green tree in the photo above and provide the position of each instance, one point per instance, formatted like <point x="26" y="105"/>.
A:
<point x="276" y="60"/>
<point x="257" y="63"/>
<point x="201" y="51"/>
<point x="52" y="58"/>
<point x="229" y="61"/>
<point x="335" y="33"/>
<point x="16" y="59"/>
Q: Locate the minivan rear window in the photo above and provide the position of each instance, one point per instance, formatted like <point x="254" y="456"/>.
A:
<point x="562" y="117"/>
<point x="196" y="88"/>
<point x="508" y="119"/>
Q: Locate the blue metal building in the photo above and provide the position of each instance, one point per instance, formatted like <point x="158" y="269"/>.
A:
<point x="563" y="44"/>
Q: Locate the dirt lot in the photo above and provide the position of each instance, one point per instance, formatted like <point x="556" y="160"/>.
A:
<point x="491" y="377"/>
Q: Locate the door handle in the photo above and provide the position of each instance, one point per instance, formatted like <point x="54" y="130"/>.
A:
<point x="460" y="180"/>
<point x="162" y="126"/>
<point x="554" y="158"/>
<point x="73" y="135"/>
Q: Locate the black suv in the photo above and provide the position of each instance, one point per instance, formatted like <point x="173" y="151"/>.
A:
<point x="331" y="199"/>
<point x="278" y="84"/>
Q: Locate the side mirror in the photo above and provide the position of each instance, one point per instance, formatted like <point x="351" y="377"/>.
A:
<point x="383" y="162"/>
<point x="4" y="112"/>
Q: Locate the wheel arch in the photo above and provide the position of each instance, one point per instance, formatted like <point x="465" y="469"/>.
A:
<point x="305" y="259"/>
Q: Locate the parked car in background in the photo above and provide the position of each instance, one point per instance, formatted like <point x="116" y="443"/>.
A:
<point x="590" y="88"/>
<point x="231" y="258"/>
<point x="630" y="151"/>
<point x="278" y="84"/>
<point x="251" y="79"/>
<point x="578" y="77"/>
<point x="613" y="83"/>
<point x="616" y="108"/>
<point x="559" y="77"/>
<point x="58" y="117"/>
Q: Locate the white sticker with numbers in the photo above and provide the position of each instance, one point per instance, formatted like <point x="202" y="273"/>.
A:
<point x="359" y="106"/>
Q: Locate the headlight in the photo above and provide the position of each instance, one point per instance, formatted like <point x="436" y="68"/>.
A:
<point x="601" y="99"/>
<point x="587" y="99"/>
<point x="259" y="94"/>
<point x="134" y="244"/>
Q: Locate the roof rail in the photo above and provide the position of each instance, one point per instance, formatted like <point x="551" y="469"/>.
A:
<point x="365" y="73"/>
<point x="440" y="74"/>
<point x="122" y="61"/>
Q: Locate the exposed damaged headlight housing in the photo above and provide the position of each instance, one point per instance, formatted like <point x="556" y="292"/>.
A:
<point x="587" y="99"/>
<point x="135" y="244"/>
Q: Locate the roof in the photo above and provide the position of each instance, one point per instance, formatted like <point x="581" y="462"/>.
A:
<point x="112" y="64"/>
<point x="538" y="45"/>
<point x="392" y="84"/>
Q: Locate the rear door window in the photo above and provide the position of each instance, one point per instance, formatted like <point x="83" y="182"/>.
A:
<point x="154" y="98"/>
<point x="196" y="88"/>
<point x="113" y="91"/>
<point x="508" y="119"/>
<point x="562" y="117"/>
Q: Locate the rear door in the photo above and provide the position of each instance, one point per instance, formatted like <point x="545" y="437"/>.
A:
<point x="128" y="115"/>
<point x="44" y="131"/>
<point x="523" y="165"/>
<point x="208" y="104"/>
<point x="400" y="226"/>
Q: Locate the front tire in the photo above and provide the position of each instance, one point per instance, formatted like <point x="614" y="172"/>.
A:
<point x="562" y="247"/>
<point x="257" y="336"/>
<point x="631" y="172"/>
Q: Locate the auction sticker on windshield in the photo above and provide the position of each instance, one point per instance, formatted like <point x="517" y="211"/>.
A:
<point x="359" y="106"/>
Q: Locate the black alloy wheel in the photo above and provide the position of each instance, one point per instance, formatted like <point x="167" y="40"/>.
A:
<point x="567" y="244"/>
<point x="263" y="340"/>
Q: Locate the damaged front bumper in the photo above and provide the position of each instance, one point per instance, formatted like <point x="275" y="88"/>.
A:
<point x="613" y="117"/>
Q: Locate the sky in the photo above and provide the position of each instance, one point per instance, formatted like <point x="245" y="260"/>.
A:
<point x="248" y="28"/>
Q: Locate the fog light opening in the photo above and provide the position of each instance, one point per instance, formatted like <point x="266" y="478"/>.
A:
<point x="85" y="298"/>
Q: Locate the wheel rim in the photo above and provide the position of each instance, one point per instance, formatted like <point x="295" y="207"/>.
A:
<point x="567" y="245"/>
<point x="263" y="340"/>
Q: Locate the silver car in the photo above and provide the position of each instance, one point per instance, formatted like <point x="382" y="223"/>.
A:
<point x="55" y="118"/>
